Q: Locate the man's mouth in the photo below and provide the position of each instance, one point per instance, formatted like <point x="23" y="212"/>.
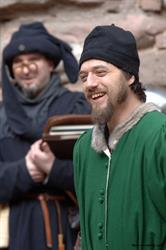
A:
<point x="97" y="95"/>
<point x="28" y="78"/>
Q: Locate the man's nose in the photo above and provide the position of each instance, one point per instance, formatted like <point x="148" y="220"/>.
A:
<point x="29" y="67"/>
<point x="92" y="80"/>
<point x="25" y="68"/>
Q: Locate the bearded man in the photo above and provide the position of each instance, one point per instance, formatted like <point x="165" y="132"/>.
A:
<point x="120" y="164"/>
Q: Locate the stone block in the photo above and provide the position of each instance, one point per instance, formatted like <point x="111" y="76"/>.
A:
<point x="87" y="1"/>
<point x="152" y="67"/>
<point x="155" y="25"/>
<point x="145" y="41"/>
<point x="83" y="2"/>
<point x="10" y="8"/>
<point x="151" y="5"/>
<point x="7" y="3"/>
<point x="161" y="41"/>
<point x="114" y="6"/>
<point x="164" y="4"/>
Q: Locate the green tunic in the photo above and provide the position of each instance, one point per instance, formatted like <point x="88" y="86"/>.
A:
<point x="122" y="198"/>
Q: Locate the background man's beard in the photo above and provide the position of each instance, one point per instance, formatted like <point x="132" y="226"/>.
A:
<point x="30" y="93"/>
<point x="102" y="116"/>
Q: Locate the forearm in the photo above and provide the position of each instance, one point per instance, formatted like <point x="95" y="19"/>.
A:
<point x="61" y="175"/>
<point x="14" y="180"/>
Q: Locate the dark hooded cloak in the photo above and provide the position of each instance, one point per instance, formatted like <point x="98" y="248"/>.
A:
<point x="22" y="122"/>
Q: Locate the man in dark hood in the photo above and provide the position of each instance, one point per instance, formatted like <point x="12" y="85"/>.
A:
<point x="32" y="92"/>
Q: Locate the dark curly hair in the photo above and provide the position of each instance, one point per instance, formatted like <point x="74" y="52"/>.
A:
<point x="137" y="87"/>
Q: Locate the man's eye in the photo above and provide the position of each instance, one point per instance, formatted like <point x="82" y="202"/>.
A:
<point x="101" y="73"/>
<point x="83" y="78"/>
<point x="17" y="61"/>
<point x="32" y="60"/>
<point x="17" y="64"/>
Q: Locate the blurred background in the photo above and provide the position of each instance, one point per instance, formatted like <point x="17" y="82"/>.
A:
<point x="71" y="20"/>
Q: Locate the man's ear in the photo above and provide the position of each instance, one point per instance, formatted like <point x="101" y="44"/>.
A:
<point x="9" y="75"/>
<point x="52" y="65"/>
<point x="131" y="80"/>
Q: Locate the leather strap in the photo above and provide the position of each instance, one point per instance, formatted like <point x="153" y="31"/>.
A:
<point x="46" y="217"/>
<point x="61" y="245"/>
<point x="43" y="198"/>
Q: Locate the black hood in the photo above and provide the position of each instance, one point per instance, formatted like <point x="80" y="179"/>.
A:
<point x="34" y="38"/>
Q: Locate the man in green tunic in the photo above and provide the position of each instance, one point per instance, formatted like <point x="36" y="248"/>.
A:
<point x="120" y="165"/>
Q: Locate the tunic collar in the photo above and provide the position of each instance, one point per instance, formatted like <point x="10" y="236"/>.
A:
<point x="99" y="143"/>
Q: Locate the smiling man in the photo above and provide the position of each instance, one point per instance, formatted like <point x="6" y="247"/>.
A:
<point x="33" y="181"/>
<point x="120" y="165"/>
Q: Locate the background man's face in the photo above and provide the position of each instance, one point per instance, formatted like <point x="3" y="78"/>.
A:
<point x="32" y="72"/>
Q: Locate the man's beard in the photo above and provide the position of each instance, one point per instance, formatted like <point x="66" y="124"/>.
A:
<point x="34" y="90"/>
<point x="30" y="93"/>
<point x="102" y="116"/>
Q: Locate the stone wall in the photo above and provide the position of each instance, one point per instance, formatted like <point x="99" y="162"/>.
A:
<point x="71" y="20"/>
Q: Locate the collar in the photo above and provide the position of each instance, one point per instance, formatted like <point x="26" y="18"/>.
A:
<point x="99" y="143"/>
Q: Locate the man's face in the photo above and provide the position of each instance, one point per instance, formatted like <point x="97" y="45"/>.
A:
<point x="105" y="87"/>
<point x="32" y="73"/>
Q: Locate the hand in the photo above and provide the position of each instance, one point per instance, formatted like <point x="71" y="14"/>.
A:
<point x="42" y="156"/>
<point x="36" y="174"/>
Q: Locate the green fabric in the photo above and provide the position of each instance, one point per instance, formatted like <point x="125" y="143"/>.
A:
<point x="136" y="190"/>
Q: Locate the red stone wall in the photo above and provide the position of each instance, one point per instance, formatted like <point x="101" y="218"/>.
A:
<point x="73" y="19"/>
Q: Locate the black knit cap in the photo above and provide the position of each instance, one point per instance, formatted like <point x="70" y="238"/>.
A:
<point x="34" y="37"/>
<point x="114" y="45"/>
